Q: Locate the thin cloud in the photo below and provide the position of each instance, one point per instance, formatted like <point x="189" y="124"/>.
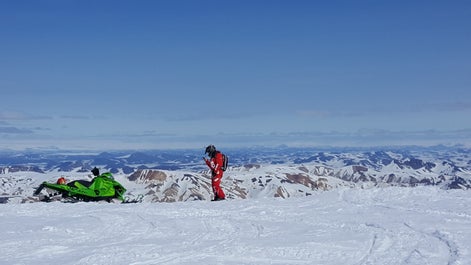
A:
<point x="75" y="117"/>
<point x="14" y="130"/>
<point x="210" y="116"/>
<point x="314" y="113"/>
<point x="21" y="116"/>
<point x="324" y="113"/>
<point x="452" y="106"/>
<point x="457" y="106"/>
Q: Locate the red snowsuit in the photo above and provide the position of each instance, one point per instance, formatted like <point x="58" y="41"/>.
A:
<point x="215" y="164"/>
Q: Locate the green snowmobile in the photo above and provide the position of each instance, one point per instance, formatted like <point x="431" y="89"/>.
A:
<point x="102" y="187"/>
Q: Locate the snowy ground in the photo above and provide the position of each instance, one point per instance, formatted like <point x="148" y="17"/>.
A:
<point x="347" y="226"/>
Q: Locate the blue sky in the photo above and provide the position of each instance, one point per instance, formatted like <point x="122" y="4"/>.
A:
<point x="176" y="74"/>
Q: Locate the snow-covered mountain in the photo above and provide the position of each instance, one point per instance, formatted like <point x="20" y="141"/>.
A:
<point x="167" y="176"/>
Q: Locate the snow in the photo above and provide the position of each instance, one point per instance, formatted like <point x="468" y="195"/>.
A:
<point x="422" y="225"/>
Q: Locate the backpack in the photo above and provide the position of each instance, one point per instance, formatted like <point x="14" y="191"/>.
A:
<point x="225" y="161"/>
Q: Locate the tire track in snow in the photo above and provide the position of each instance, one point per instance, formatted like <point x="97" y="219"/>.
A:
<point x="452" y="247"/>
<point x="453" y="251"/>
<point x="370" y="251"/>
<point x="412" y="244"/>
<point x="381" y="241"/>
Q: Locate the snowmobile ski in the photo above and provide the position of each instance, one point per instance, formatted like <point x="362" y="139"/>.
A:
<point x="137" y="199"/>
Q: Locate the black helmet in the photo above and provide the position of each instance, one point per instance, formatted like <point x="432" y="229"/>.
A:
<point x="210" y="150"/>
<point x="95" y="171"/>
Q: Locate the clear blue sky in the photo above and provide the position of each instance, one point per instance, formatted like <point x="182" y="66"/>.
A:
<point x="174" y="74"/>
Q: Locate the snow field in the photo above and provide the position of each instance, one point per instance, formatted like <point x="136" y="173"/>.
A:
<point x="423" y="225"/>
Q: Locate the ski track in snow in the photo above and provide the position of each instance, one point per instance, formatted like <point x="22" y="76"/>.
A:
<point x="346" y="226"/>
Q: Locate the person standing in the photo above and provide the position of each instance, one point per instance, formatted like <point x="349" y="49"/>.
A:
<point x="215" y="163"/>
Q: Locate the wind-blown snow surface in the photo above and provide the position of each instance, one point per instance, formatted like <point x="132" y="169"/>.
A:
<point x="422" y="225"/>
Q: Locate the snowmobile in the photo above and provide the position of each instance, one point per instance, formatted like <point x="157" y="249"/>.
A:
<point x="102" y="187"/>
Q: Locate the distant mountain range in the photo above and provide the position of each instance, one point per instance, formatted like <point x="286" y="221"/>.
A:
<point x="181" y="175"/>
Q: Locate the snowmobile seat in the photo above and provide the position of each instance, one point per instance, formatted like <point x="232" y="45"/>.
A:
<point x="81" y="181"/>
